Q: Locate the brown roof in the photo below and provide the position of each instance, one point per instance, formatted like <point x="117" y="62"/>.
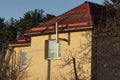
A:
<point x="21" y="41"/>
<point x="84" y="15"/>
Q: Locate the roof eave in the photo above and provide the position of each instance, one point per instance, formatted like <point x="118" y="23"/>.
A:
<point x="60" y="31"/>
<point x="18" y="45"/>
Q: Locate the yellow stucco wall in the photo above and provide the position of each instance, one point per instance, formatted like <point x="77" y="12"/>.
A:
<point x="77" y="45"/>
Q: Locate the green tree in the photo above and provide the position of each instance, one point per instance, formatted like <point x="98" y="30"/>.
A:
<point x="3" y="30"/>
<point x="13" y="29"/>
<point x="32" y="19"/>
<point x="47" y="17"/>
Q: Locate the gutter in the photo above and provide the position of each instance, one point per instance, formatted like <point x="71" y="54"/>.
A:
<point x="60" y="31"/>
<point x="18" y="45"/>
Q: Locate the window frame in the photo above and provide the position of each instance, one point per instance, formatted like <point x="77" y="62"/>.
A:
<point x="47" y="50"/>
<point x="21" y="58"/>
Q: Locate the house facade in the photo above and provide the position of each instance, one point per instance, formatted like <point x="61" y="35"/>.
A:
<point x="61" y="48"/>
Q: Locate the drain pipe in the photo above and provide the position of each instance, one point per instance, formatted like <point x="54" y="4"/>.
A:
<point x="57" y="40"/>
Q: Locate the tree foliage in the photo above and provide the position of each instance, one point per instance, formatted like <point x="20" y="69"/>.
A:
<point x="105" y="49"/>
<point x="9" y="29"/>
<point x="106" y="44"/>
<point x="10" y="66"/>
<point x="8" y="32"/>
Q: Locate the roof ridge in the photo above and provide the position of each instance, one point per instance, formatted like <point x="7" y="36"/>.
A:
<point x="70" y="11"/>
<point x="89" y="12"/>
<point x="63" y="13"/>
<point x="80" y="14"/>
<point x="93" y="3"/>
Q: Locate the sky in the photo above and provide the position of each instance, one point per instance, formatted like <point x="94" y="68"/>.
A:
<point x="17" y="8"/>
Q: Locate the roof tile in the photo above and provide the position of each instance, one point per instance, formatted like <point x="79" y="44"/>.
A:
<point x="84" y="15"/>
<point x="78" y="15"/>
<point x="21" y="41"/>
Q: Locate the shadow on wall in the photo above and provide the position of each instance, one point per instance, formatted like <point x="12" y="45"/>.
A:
<point x="10" y="68"/>
<point x="46" y="49"/>
<point x="105" y="55"/>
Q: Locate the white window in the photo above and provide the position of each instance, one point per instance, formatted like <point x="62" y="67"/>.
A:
<point x="24" y="58"/>
<point x="52" y="50"/>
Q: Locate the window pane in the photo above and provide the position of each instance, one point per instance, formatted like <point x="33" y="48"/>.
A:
<point x="52" y="49"/>
<point x="24" y="58"/>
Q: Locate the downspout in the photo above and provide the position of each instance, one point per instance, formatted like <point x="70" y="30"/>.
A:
<point x="57" y="41"/>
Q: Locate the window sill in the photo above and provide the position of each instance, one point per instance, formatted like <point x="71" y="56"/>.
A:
<point x="53" y="58"/>
<point x="23" y="66"/>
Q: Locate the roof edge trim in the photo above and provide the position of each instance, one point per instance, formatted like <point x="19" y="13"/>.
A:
<point x="89" y="13"/>
<point x="52" y="31"/>
<point x="22" y="44"/>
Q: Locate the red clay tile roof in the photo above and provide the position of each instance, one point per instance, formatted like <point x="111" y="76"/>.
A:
<point x="81" y="16"/>
<point x="21" y="41"/>
<point x="98" y="14"/>
<point x="85" y="15"/>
